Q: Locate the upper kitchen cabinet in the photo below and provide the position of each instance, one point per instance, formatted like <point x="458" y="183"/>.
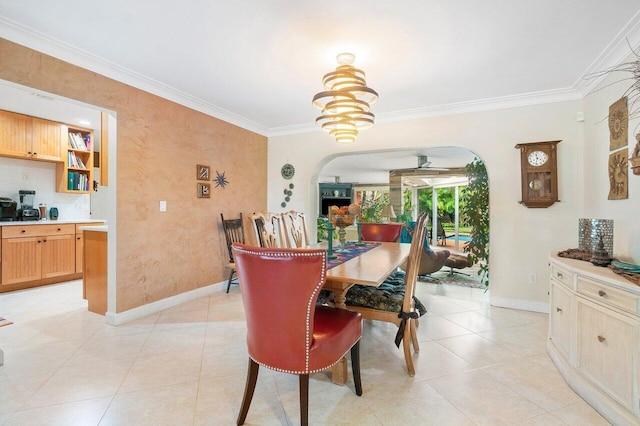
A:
<point x="22" y="136"/>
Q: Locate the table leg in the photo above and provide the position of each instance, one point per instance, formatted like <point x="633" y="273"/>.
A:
<point x="339" y="370"/>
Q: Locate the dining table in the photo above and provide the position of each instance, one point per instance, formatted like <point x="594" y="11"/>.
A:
<point x="370" y="267"/>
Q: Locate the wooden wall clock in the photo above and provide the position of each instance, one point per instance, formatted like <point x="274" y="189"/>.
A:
<point x="539" y="173"/>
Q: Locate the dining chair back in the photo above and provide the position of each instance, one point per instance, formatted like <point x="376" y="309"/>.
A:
<point x="294" y="228"/>
<point x="384" y="232"/>
<point x="267" y="228"/>
<point x="395" y="303"/>
<point x="233" y="233"/>
<point x="286" y="330"/>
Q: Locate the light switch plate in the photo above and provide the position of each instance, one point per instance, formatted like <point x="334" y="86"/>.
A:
<point x="163" y="206"/>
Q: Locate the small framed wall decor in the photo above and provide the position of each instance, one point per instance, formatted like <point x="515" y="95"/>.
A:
<point x="618" y="176"/>
<point x="202" y="172"/>
<point x="618" y="124"/>
<point x="204" y="190"/>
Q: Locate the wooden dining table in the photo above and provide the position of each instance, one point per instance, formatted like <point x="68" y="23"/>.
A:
<point x="369" y="268"/>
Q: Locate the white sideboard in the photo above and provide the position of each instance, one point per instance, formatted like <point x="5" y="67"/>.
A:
<point x="594" y="336"/>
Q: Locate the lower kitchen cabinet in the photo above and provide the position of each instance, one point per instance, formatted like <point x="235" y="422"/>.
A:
<point x="37" y="254"/>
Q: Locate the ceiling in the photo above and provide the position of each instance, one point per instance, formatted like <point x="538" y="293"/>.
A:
<point x="258" y="63"/>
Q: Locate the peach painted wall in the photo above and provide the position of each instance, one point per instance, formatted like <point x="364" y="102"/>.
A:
<point x="159" y="144"/>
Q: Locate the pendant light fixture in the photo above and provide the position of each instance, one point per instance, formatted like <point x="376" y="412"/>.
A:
<point x="345" y="102"/>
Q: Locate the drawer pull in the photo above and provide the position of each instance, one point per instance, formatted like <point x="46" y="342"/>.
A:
<point x="601" y="339"/>
<point x="559" y="275"/>
<point x="558" y="309"/>
<point x="602" y="293"/>
<point x="59" y="229"/>
<point x="23" y="231"/>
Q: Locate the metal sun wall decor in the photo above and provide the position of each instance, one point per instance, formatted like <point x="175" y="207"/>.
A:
<point x="221" y="180"/>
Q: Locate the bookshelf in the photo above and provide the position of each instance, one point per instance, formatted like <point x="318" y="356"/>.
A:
<point x="75" y="173"/>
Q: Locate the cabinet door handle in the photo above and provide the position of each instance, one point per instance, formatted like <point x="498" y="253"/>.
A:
<point x="559" y="275"/>
<point x="602" y="293"/>
<point x="558" y="309"/>
<point x="601" y="338"/>
<point x="35" y="153"/>
<point x="78" y="238"/>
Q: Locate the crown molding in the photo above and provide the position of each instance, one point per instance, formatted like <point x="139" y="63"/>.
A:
<point x="613" y="54"/>
<point x="28" y="37"/>
<point x="480" y="105"/>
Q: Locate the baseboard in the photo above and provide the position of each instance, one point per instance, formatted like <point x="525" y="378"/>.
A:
<point x="523" y="305"/>
<point x="119" y="318"/>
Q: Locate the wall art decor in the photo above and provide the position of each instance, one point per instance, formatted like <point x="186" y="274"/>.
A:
<point x="287" y="171"/>
<point x="204" y="190"/>
<point x="618" y="124"/>
<point x="288" y="193"/>
<point x="634" y="160"/>
<point x="202" y="172"/>
<point x="221" y="180"/>
<point x="618" y="176"/>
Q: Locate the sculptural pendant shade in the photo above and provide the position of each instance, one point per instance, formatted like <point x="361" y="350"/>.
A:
<point x="345" y="103"/>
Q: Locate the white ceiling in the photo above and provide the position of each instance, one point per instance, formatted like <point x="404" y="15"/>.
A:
<point x="258" y="63"/>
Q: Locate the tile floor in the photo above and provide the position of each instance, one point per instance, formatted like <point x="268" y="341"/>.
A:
<point x="187" y="366"/>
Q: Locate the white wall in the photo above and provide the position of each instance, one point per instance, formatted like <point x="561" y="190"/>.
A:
<point x="625" y="213"/>
<point x="40" y="176"/>
<point x="521" y="238"/>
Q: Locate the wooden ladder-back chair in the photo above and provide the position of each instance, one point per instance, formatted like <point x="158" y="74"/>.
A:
<point x="233" y="233"/>
<point x="286" y="330"/>
<point x="267" y="228"/>
<point x="295" y="229"/>
<point x="396" y="303"/>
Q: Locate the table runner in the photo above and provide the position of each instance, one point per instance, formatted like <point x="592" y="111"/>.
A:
<point x="354" y="250"/>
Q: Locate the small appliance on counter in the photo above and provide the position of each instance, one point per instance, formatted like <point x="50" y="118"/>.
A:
<point x="7" y="209"/>
<point x="53" y="213"/>
<point x="26" y="211"/>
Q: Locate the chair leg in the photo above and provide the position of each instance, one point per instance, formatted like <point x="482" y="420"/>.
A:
<point x="304" y="399"/>
<point x="414" y="336"/>
<point x="250" y="386"/>
<point x="406" y="344"/>
<point x="355" y="367"/>
<point x="230" y="278"/>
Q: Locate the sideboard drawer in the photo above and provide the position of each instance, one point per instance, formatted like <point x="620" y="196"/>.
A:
<point x="563" y="276"/>
<point x="626" y="301"/>
<point x="38" y="230"/>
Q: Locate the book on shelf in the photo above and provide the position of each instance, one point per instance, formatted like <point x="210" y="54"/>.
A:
<point x="77" y="181"/>
<point x="76" y="141"/>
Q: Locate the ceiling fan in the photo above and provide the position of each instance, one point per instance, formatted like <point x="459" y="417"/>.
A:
<point x="424" y="167"/>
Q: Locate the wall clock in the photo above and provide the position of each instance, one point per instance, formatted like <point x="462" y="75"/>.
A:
<point x="539" y="173"/>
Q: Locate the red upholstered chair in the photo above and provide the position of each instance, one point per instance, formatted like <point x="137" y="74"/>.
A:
<point x="286" y="331"/>
<point x="386" y="232"/>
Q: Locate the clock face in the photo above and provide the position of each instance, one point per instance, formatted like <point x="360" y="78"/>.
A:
<point x="537" y="158"/>
<point x="535" y="184"/>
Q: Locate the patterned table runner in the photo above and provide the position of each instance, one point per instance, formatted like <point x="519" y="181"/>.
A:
<point x="354" y="250"/>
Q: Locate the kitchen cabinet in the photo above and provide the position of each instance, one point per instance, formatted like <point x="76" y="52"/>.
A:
<point x="36" y="252"/>
<point x="594" y="337"/>
<point x="80" y="244"/>
<point x="22" y="136"/>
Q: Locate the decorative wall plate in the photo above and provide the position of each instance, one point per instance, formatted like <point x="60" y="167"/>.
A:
<point x="202" y="172"/>
<point x="288" y="171"/>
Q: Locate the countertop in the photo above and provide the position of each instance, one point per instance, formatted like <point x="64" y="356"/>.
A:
<point x="100" y="228"/>
<point x="50" y="222"/>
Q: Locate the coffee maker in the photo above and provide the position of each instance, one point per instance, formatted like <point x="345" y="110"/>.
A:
<point x="7" y="209"/>
<point x="26" y="211"/>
